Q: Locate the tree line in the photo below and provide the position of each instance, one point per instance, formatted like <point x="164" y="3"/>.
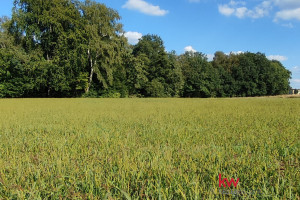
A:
<point x="70" y="48"/>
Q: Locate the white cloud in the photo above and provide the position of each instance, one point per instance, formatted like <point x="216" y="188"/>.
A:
<point x="241" y="12"/>
<point x="189" y="48"/>
<point x="237" y="3"/>
<point x="261" y="10"/>
<point x="133" y="37"/>
<point x="226" y="10"/>
<point x="286" y="10"/>
<point x="277" y="57"/>
<point x="239" y="9"/>
<point x="287" y="4"/>
<point x="145" y="7"/>
<point x="288" y="14"/>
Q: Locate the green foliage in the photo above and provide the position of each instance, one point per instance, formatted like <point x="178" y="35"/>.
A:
<point x="65" y="48"/>
<point x="200" y="76"/>
<point x="155" y="89"/>
<point x="15" y="70"/>
<point x="175" y="79"/>
<point x="136" y="74"/>
<point x="91" y="94"/>
<point x="111" y="94"/>
<point x="103" y="42"/>
<point x="249" y="74"/>
<point x="157" y="71"/>
<point x="82" y="81"/>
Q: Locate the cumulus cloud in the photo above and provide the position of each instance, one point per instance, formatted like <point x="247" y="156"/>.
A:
<point x="286" y="10"/>
<point x="226" y="10"/>
<point x="287" y="4"/>
<point x="277" y="57"/>
<point x="288" y="14"/>
<point x="145" y="7"/>
<point x="189" y="48"/>
<point x="241" y="12"/>
<point x="239" y="9"/>
<point x="133" y="37"/>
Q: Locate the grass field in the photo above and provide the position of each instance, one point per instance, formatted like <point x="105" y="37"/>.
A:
<point x="149" y="148"/>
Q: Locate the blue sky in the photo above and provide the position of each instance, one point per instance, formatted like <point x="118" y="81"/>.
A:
<point x="268" y="26"/>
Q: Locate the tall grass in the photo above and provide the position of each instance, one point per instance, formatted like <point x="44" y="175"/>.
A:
<point x="149" y="148"/>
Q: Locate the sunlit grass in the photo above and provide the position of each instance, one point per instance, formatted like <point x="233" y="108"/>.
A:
<point x="148" y="148"/>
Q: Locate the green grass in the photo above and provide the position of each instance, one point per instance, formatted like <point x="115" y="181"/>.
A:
<point x="149" y="148"/>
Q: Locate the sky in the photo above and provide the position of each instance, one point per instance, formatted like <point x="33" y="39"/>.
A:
<point x="267" y="26"/>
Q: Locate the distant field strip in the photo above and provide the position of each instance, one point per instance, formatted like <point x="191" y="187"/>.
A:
<point x="149" y="148"/>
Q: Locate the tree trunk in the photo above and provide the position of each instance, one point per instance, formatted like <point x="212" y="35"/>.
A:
<point x="91" y="73"/>
<point x="49" y="87"/>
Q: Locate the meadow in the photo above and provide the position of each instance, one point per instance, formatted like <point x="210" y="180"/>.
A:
<point x="149" y="148"/>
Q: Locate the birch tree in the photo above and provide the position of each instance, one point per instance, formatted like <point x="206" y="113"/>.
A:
<point x="104" y="41"/>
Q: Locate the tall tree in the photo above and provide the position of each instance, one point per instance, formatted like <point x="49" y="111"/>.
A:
<point x="162" y="71"/>
<point x="277" y="79"/>
<point x="200" y="77"/>
<point x="15" y="71"/>
<point x="104" y="42"/>
<point x="46" y="26"/>
<point x="175" y="79"/>
<point x="60" y="48"/>
<point x="137" y="79"/>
